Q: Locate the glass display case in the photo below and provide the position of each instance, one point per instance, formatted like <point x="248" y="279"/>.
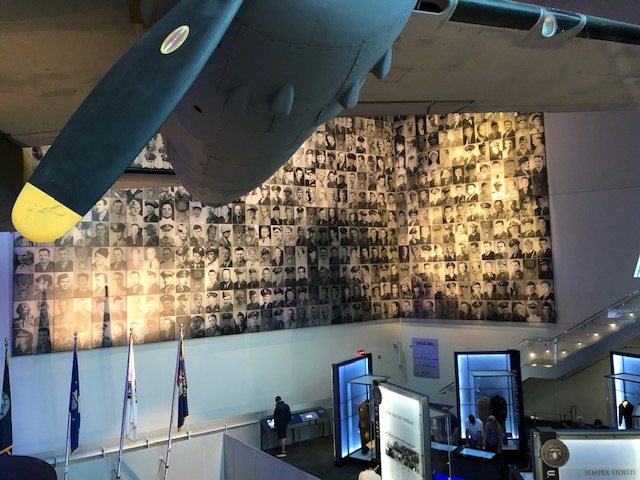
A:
<point x="361" y="415"/>
<point x="623" y="391"/>
<point x="348" y="400"/>
<point x="442" y="444"/>
<point x="489" y="383"/>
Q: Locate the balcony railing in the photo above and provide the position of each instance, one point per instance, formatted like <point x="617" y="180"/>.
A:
<point x="549" y="352"/>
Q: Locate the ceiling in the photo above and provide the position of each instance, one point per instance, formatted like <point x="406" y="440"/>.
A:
<point x="54" y="52"/>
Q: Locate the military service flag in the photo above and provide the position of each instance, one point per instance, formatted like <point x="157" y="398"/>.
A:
<point x="6" y="432"/>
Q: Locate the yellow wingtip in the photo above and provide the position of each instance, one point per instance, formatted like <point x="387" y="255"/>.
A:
<point x="41" y="218"/>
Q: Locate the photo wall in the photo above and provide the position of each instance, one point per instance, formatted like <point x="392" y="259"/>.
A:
<point x="473" y="217"/>
<point x="356" y="226"/>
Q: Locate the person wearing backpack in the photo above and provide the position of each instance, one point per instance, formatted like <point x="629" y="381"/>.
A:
<point x="493" y="433"/>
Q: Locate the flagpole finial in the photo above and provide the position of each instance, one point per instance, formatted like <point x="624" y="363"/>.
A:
<point x="131" y="330"/>
<point x="75" y="334"/>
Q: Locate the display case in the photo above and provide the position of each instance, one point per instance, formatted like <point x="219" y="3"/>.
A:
<point x="442" y="440"/>
<point x="361" y="410"/>
<point x="623" y="391"/>
<point x="349" y="401"/>
<point x="315" y="417"/>
<point x="489" y="383"/>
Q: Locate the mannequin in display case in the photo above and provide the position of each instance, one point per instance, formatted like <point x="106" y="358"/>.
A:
<point x="625" y="412"/>
<point x="364" y="425"/>
<point x="484" y="408"/>
<point x="499" y="408"/>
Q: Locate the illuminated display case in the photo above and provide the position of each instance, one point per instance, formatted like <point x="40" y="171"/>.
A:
<point x="623" y="391"/>
<point x="441" y="443"/>
<point x="347" y="399"/>
<point x="362" y="407"/>
<point x="490" y="383"/>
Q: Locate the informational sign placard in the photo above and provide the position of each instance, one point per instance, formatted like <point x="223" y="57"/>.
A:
<point x="425" y="357"/>
<point x="573" y="457"/>
<point x="403" y="416"/>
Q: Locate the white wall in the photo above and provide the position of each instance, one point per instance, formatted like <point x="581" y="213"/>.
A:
<point x="594" y="183"/>
<point x="586" y="389"/>
<point x="452" y="338"/>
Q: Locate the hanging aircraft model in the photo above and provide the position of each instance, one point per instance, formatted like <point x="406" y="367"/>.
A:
<point x="238" y="86"/>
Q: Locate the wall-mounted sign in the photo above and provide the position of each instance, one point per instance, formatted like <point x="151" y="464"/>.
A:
<point x="425" y="357"/>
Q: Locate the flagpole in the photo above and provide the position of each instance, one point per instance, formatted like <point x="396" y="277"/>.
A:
<point x="66" y="448"/>
<point x="6" y="427"/>
<point x="173" y="404"/>
<point x="124" y="406"/>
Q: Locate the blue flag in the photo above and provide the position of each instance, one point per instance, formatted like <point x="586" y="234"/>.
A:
<point x="6" y="432"/>
<point x="183" y="406"/>
<point x="74" y="399"/>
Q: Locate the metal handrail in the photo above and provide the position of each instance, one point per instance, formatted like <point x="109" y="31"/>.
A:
<point x="599" y="314"/>
<point x="554" y="354"/>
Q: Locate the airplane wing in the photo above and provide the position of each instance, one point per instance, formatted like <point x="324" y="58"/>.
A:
<point x="129" y="106"/>
<point x="492" y="55"/>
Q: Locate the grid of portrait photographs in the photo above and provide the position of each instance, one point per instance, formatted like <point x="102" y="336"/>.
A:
<point x="473" y="217"/>
<point x="356" y="226"/>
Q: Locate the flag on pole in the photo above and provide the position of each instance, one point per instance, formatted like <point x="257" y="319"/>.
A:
<point x="6" y="432"/>
<point x="131" y="402"/>
<point x="74" y="399"/>
<point x="183" y="406"/>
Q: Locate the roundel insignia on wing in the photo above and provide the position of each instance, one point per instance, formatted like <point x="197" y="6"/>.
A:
<point x="174" y="40"/>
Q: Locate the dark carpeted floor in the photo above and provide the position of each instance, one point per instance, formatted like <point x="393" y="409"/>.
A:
<point x="315" y="456"/>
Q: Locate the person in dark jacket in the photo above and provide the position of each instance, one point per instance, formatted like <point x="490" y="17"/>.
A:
<point x="281" y="418"/>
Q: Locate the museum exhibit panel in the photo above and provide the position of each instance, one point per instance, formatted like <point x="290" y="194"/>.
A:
<point x="490" y="383"/>
<point x="402" y="420"/>
<point x="623" y="391"/>
<point x="575" y="454"/>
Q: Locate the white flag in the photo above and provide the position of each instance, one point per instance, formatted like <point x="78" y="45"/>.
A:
<point x="131" y="402"/>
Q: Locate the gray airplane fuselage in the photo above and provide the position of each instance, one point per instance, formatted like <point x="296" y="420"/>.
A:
<point x="281" y="69"/>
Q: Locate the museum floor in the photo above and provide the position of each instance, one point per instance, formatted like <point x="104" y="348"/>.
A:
<point x="315" y="456"/>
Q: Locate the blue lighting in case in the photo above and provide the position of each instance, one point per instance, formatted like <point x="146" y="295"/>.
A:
<point x="441" y="476"/>
<point x="346" y="414"/>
